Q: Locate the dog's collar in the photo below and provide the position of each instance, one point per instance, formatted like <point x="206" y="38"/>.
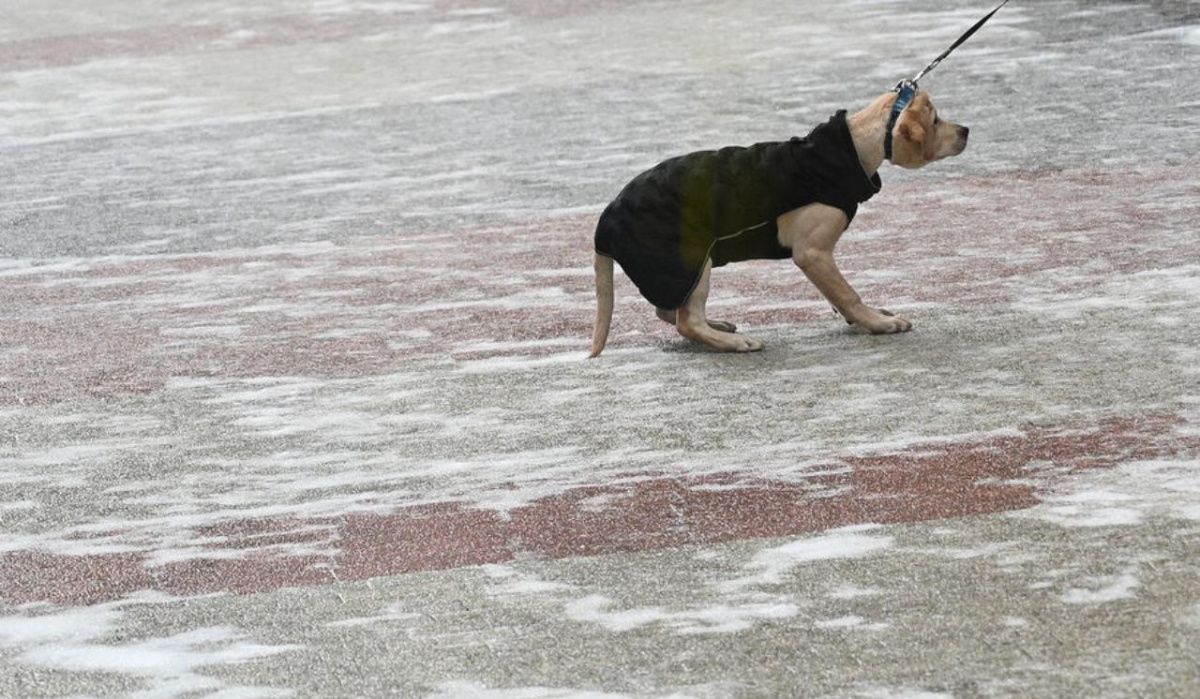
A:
<point x="907" y="90"/>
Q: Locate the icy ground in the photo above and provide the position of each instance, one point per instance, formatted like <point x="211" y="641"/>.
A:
<point x="294" y="298"/>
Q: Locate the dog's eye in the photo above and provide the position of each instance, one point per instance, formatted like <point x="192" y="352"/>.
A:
<point x="937" y="120"/>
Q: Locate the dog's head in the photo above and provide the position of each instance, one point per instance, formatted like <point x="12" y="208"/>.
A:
<point x="921" y="136"/>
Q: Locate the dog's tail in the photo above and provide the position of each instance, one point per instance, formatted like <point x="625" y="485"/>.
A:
<point x="604" y="303"/>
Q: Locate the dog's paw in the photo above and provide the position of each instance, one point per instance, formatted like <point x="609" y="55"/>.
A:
<point x="883" y="322"/>
<point x="744" y="343"/>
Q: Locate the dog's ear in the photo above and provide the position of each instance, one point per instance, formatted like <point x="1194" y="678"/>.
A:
<point x="911" y="125"/>
<point x="913" y="136"/>
<point x="910" y="129"/>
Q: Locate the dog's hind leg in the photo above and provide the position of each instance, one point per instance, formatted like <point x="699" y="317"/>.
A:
<point x="691" y="322"/>
<point x="669" y="317"/>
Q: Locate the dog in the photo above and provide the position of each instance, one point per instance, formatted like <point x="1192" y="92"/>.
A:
<point x="793" y="199"/>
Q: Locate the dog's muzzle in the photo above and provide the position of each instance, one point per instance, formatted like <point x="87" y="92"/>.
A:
<point x="961" y="144"/>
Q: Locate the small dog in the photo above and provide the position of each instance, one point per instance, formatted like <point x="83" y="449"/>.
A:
<point x="792" y="199"/>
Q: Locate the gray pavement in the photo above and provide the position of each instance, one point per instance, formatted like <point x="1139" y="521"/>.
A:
<point x="294" y="302"/>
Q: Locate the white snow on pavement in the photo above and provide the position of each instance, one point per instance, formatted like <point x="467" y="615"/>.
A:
<point x="1104" y="589"/>
<point x="91" y="639"/>
<point x="770" y="566"/>
<point x="716" y="618"/>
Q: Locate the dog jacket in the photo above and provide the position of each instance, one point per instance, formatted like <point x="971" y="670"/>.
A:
<point x="722" y="205"/>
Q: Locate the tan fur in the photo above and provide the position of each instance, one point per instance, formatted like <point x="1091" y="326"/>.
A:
<point x="604" y="303"/>
<point x="920" y="137"/>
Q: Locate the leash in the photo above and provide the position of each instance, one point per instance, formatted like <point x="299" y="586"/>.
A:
<point x="933" y="64"/>
<point x="908" y="88"/>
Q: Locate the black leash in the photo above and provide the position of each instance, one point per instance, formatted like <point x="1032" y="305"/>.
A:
<point x="961" y="39"/>
<point x="908" y="88"/>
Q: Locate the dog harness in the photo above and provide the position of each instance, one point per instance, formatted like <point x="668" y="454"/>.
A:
<point x="722" y="206"/>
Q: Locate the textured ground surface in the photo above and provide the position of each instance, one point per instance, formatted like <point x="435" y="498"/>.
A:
<point x="294" y="298"/>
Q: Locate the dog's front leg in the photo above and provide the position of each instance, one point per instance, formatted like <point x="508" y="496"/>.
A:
<point x="812" y="232"/>
<point x="819" y="267"/>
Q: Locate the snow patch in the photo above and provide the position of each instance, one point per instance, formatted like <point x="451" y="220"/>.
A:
<point x="1096" y="508"/>
<point x="341" y="7"/>
<point x="1193" y="619"/>
<point x="73" y="640"/>
<point x="774" y="563"/>
<point x="503" y="364"/>
<point x="391" y="614"/>
<point x="1123" y="496"/>
<point x="719" y="618"/>
<point x="1106" y="589"/>
<point x="518" y="583"/>
<point x="1189" y="35"/>
<point x="904" y="694"/>
<point x="846" y="592"/>
<point x="18" y="506"/>
<point x="849" y="622"/>
<point x="453" y="690"/>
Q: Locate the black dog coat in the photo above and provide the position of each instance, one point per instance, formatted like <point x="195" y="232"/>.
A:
<point x="722" y="205"/>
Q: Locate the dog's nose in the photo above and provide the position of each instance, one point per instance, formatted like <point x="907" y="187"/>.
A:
<point x="963" y="132"/>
